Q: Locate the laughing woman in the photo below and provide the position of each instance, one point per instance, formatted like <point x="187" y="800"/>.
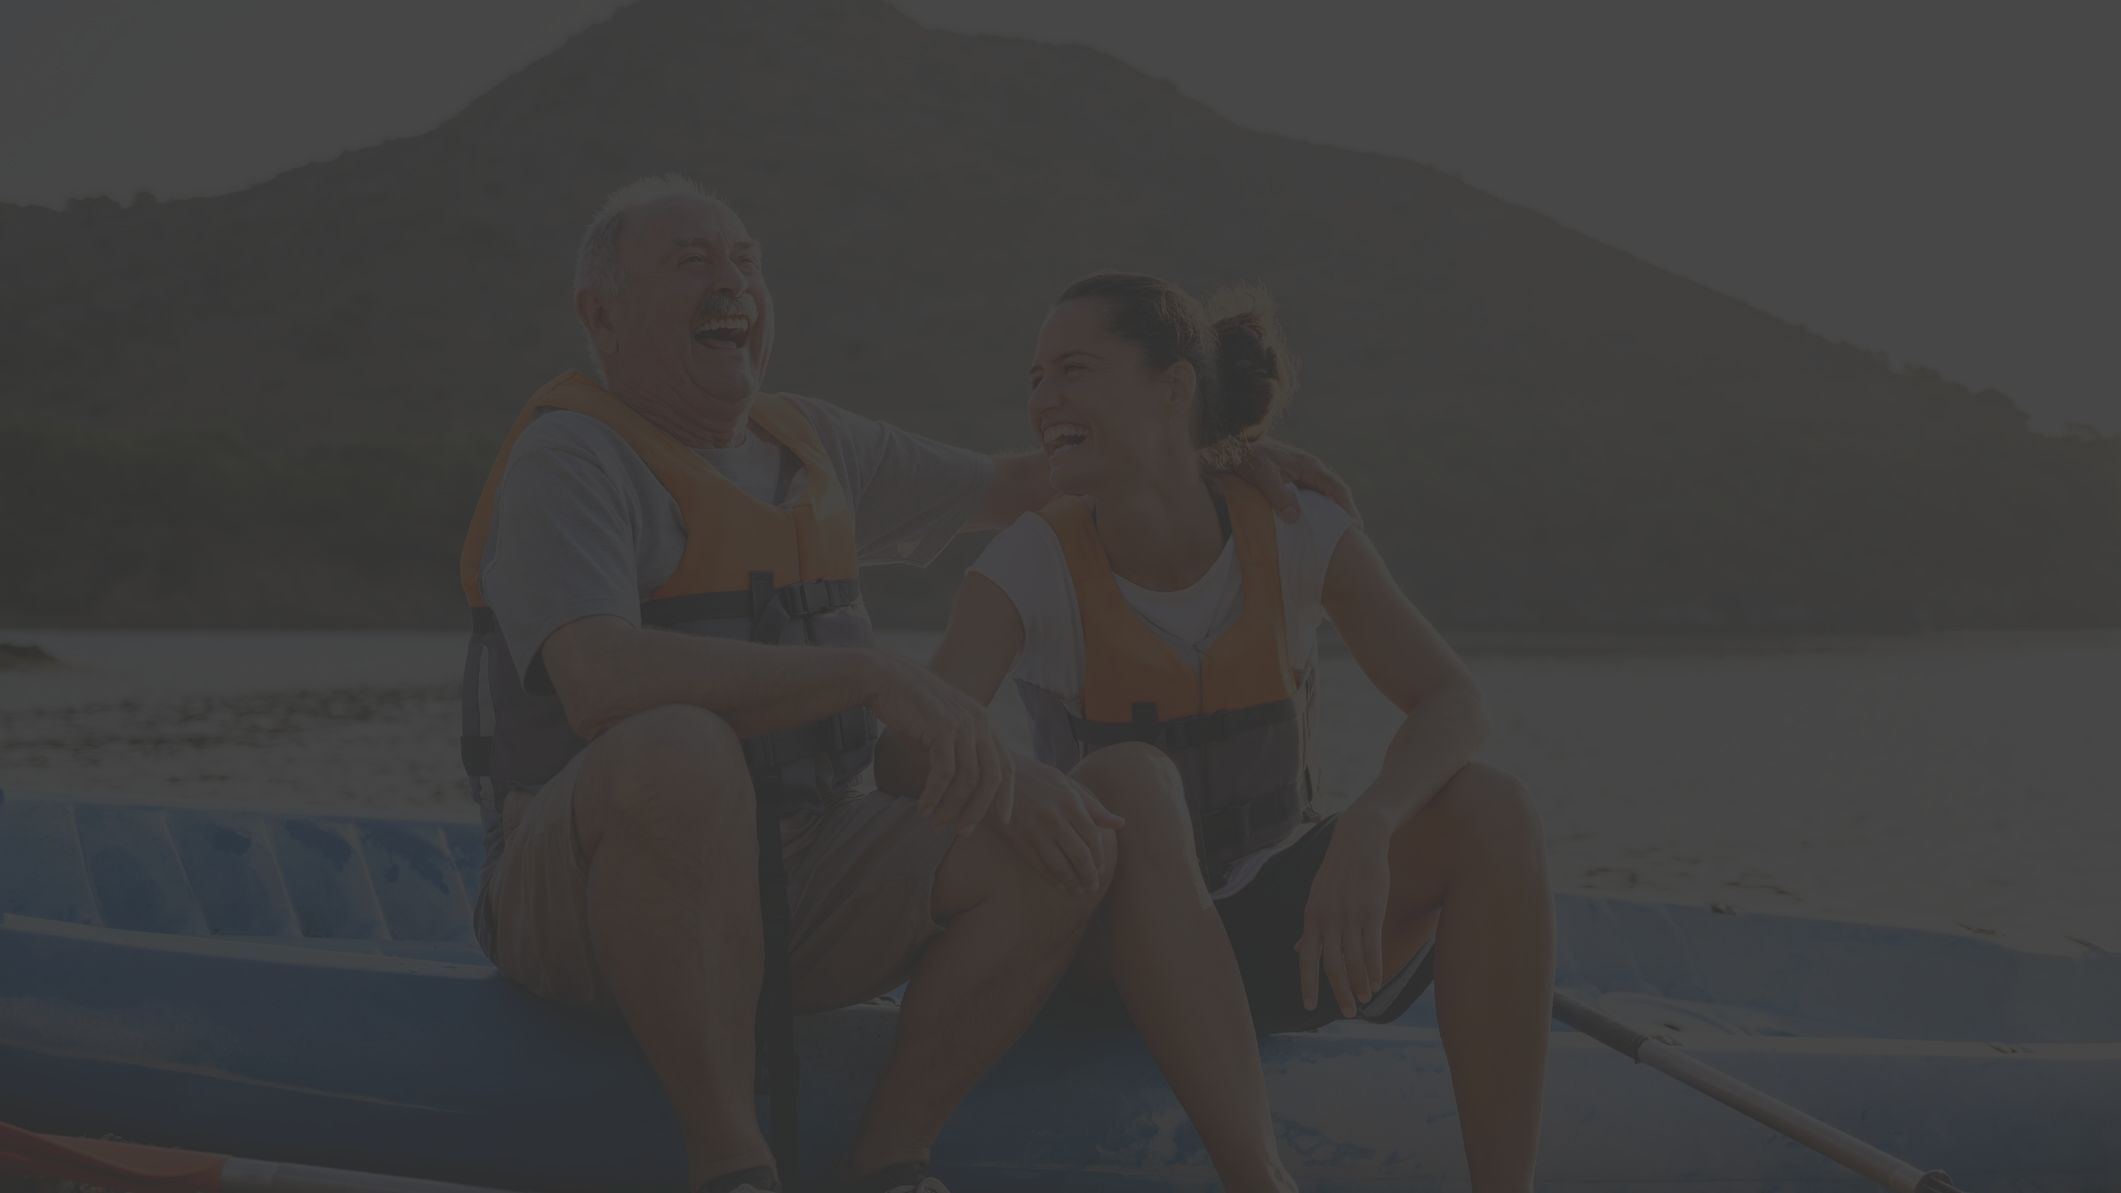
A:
<point x="1161" y="625"/>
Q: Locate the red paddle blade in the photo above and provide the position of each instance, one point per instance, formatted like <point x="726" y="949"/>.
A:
<point x="131" y="1166"/>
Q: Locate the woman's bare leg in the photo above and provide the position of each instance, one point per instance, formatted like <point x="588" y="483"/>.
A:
<point x="1470" y="867"/>
<point x="1164" y="944"/>
<point x="1007" y="937"/>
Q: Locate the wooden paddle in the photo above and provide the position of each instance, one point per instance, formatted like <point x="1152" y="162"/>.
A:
<point x="1836" y="1145"/>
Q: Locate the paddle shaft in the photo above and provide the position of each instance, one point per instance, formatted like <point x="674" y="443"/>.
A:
<point x="145" y="1168"/>
<point x="1850" y="1152"/>
<point x="264" y="1176"/>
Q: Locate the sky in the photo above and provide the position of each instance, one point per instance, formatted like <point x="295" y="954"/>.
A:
<point x="1927" y="179"/>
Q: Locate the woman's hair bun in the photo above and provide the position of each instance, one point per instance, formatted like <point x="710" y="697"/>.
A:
<point x="1255" y="375"/>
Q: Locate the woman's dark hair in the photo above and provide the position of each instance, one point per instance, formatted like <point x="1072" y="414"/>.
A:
<point x="1245" y="370"/>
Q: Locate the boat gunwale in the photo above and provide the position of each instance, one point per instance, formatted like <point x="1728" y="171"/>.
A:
<point x="2069" y="948"/>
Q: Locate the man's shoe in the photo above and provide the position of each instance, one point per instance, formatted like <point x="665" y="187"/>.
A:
<point x="910" y="1177"/>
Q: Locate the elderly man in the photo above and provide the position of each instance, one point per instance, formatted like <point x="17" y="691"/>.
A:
<point x="670" y="637"/>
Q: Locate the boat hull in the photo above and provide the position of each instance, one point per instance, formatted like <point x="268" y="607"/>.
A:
<point x="413" y="1056"/>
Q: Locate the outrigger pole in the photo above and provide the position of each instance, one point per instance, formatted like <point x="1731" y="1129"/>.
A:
<point x="1839" y="1146"/>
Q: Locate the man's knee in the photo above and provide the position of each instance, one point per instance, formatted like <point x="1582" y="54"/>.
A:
<point x="672" y="736"/>
<point x="675" y="772"/>
<point x="1139" y="783"/>
<point x="1492" y="814"/>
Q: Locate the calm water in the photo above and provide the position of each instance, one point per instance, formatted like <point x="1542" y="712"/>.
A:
<point x="1967" y="781"/>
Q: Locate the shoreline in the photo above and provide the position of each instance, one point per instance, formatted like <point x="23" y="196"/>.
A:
<point x="1469" y="641"/>
<point x="1955" y="782"/>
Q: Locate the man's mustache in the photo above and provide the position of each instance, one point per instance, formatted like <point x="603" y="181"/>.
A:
<point x="732" y="305"/>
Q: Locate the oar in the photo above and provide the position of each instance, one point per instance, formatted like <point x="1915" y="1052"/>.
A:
<point x="1836" y="1145"/>
<point x="144" y="1169"/>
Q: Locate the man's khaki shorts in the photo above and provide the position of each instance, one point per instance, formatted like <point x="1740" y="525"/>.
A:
<point x="861" y="881"/>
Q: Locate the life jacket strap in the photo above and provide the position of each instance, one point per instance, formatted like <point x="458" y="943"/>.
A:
<point x="812" y="597"/>
<point x="475" y="743"/>
<point x="476" y="751"/>
<point x="1183" y="733"/>
<point x="775" y="1021"/>
<point x="771" y="609"/>
<point x="850" y="730"/>
<point x="807" y="598"/>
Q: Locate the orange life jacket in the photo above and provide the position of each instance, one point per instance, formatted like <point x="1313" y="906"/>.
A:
<point x="1237" y="725"/>
<point x="748" y="570"/>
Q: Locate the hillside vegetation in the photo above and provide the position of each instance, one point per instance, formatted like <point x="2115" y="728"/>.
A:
<point x="274" y="407"/>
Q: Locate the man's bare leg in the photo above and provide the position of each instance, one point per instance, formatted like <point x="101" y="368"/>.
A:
<point x="1008" y="935"/>
<point x="1471" y="862"/>
<point x="664" y="814"/>
<point x="1169" y="956"/>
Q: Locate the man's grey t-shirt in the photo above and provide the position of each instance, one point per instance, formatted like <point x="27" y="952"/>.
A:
<point x="582" y="527"/>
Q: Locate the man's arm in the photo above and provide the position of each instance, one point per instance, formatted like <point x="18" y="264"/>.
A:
<point x="605" y="670"/>
<point x="1058" y="830"/>
<point x="1271" y="466"/>
<point x="1021" y="483"/>
<point x="979" y="645"/>
<point x="563" y="582"/>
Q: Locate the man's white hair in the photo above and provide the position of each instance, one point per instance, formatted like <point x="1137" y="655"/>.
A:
<point x="597" y="265"/>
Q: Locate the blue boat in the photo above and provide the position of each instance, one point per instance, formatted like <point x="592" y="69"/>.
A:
<point x="305" y="988"/>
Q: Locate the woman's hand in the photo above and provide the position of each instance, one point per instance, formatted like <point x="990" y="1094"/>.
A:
<point x="1055" y="827"/>
<point x="1344" y="919"/>
<point x="1271" y="466"/>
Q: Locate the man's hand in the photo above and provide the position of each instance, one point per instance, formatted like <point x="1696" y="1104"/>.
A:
<point x="970" y="774"/>
<point x="1272" y="466"/>
<point x="1056" y="825"/>
<point x="1344" y="919"/>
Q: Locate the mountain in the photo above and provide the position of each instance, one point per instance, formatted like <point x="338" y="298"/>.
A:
<point x="273" y="407"/>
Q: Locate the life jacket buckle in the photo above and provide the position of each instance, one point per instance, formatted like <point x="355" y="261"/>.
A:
<point x="767" y="617"/>
<point x="1142" y="724"/>
<point x="849" y="730"/>
<point x="1216" y="727"/>
<point x="808" y="599"/>
<point x="796" y="599"/>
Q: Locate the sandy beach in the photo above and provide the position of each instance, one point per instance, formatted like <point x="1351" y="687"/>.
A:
<point x="1963" y="782"/>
